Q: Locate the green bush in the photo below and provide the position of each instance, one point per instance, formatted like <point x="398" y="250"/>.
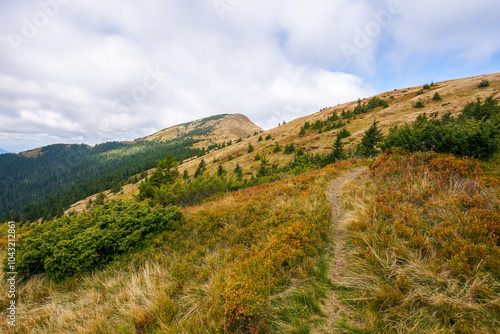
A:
<point x="419" y="104"/>
<point x="437" y="97"/>
<point x="475" y="133"/>
<point x="68" y="246"/>
<point x="344" y="133"/>
<point x="372" y="104"/>
<point x="483" y="84"/>
<point x="489" y="110"/>
<point x="289" y="149"/>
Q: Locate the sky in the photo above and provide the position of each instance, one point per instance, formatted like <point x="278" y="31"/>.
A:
<point x="74" y="71"/>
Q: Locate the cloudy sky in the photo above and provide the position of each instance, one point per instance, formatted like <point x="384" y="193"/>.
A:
<point x="74" y="71"/>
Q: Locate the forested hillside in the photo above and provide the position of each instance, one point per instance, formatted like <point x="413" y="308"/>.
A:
<point x="43" y="182"/>
<point x="42" y="186"/>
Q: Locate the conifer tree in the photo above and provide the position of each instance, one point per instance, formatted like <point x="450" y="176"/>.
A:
<point x="220" y="170"/>
<point x="372" y="137"/>
<point x="338" y="149"/>
<point x="202" y="167"/>
<point x="238" y="171"/>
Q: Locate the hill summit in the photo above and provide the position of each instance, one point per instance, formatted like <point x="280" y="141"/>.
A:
<point x="211" y="130"/>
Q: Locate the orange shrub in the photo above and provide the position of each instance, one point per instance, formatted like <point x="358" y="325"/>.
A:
<point x="441" y="213"/>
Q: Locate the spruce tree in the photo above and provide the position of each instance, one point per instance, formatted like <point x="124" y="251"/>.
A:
<point x="437" y="97"/>
<point x="238" y="172"/>
<point x="372" y="137"/>
<point x="202" y="167"/>
<point x="220" y="170"/>
<point x="338" y="149"/>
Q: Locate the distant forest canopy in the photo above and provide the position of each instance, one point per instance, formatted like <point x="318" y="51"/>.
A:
<point x="43" y="186"/>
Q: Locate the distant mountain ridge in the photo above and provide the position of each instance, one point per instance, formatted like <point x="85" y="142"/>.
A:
<point x="2" y="151"/>
<point x="42" y="182"/>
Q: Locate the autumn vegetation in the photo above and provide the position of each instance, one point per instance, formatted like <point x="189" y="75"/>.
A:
<point x="425" y="245"/>
<point x="254" y="261"/>
<point x="246" y="246"/>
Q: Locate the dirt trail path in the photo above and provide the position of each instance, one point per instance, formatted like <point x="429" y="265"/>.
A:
<point x="338" y="268"/>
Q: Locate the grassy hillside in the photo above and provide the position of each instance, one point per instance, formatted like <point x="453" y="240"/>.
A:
<point x="278" y="243"/>
<point x="253" y="261"/>
<point x="209" y="131"/>
<point x="454" y="96"/>
<point x="424" y="246"/>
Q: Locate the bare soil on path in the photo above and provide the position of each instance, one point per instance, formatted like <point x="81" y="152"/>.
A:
<point x="334" y="308"/>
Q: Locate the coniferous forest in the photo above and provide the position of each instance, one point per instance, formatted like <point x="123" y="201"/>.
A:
<point x="43" y="186"/>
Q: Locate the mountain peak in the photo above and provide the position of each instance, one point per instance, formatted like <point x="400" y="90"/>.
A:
<point x="215" y="129"/>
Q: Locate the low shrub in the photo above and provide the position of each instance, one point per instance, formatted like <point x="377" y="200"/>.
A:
<point x="83" y="242"/>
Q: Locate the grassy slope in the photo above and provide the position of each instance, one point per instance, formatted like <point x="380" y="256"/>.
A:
<point x="455" y="94"/>
<point x="425" y="246"/>
<point x="256" y="259"/>
<point x="252" y="261"/>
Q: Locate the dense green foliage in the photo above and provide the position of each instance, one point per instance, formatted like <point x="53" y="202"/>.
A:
<point x="419" y="104"/>
<point x="475" y="132"/>
<point x="71" y="245"/>
<point x="369" y="143"/>
<point x="42" y="187"/>
<point x="483" y="84"/>
<point x="335" y="121"/>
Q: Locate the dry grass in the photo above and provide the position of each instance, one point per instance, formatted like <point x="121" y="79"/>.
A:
<point x="254" y="261"/>
<point x="425" y="257"/>
<point x="456" y="92"/>
<point x="115" y="301"/>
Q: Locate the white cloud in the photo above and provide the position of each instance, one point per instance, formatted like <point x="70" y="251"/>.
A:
<point x="272" y="61"/>
<point x="460" y="30"/>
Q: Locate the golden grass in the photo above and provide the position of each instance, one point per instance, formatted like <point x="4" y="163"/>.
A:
<point x="456" y="92"/>
<point x="251" y="262"/>
<point x="425" y="253"/>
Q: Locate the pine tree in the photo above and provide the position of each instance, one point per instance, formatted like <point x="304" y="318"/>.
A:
<point x="100" y="199"/>
<point x="238" y="171"/>
<point x="437" y="97"/>
<point x="202" y="167"/>
<point x="302" y="132"/>
<point x="338" y="149"/>
<point x="220" y="170"/>
<point x="372" y="137"/>
<point x="289" y="149"/>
